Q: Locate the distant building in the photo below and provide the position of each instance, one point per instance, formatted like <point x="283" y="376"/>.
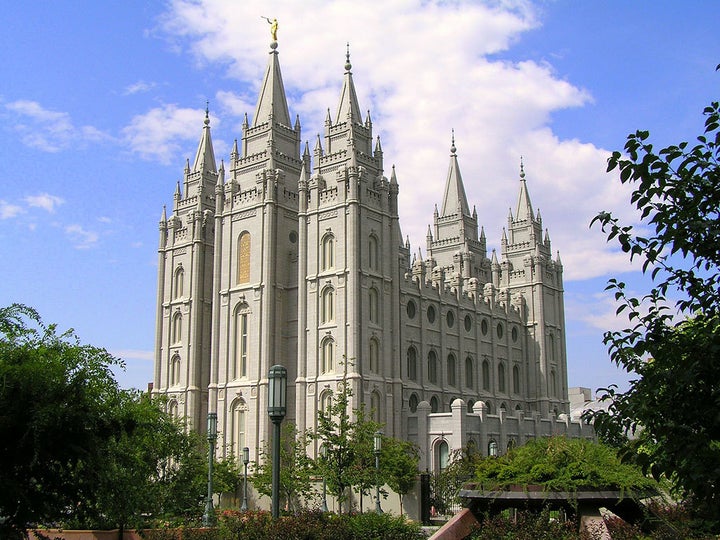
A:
<point x="296" y="257"/>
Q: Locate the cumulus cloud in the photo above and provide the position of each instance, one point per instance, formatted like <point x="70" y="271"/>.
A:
<point x="80" y="237"/>
<point x="49" y="130"/>
<point x="139" y="87"/>
<point x="45" y="201"/>
<point x="162" y="132"/>
<point x="8" y="210"/>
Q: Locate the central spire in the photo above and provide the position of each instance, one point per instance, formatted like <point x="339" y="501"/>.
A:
<point x="272" y="102"/>
<point x="455" y="200"/>
<point x="524" y="207"/>
<point x="205" y="156"/>
<point x="349" y="110"/>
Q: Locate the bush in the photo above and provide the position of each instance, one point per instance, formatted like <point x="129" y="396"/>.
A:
<point x="525" y="526"/>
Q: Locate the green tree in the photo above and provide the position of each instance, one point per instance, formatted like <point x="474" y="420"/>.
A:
<point x="399" y="466"/>
<point x="54" y="417"/>
<point x="671" y="406"/>
<point x="296" y="469"/>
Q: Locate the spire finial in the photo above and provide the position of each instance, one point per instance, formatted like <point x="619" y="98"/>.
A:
<point x="348" y="65"/>
<point x="452" y="146"/>
<point x="207" y="112"/>
<point x="522" y="169"/>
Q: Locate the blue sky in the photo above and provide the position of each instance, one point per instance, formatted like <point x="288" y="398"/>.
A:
<point x="102" y="102"/>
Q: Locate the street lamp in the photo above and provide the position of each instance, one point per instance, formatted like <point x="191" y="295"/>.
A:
<point x="323" y="454"/>
<point x="277" y="407"/>
<point x="209" y="516"/>
<point x="246" y="460"/>
<point x="376" y="451"/>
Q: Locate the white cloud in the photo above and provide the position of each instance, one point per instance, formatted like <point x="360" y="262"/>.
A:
<point x="8" y="210"/>
<point x="81" y="238"/>
<point x="49" y="130"/>
<point x="158" y="134"/>
<point x="422" y="68"/>
<point x="139" y="87"/>
<point x="45" y="201"/>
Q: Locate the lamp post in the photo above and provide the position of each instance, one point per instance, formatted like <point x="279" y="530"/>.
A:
<point x="323" y="454"/>
<point x="246" y="460"/>
<point x="376" y="451"/>
<point x="277" y="407"/>
<point x="209" y="515"/>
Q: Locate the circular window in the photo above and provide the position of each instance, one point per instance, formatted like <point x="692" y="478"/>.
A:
<point x="468" y="323"/>
<point x="431" y="314"/>
<point x="499" y="330"/>
<point x="450" y="319"/>
<point x="411" y="309"/>
<point x="514" y="333"/>
<point x="484" y="327"/>
<point x="293" y="237"/>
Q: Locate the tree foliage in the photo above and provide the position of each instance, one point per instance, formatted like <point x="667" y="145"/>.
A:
<point x="671" y="407"/>
<point x="77" y="449"/>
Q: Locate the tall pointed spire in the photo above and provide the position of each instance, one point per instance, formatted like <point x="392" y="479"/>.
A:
<point x="205" y="156"/>
<point x="524" y="207"/>
<point x="454" y="200"/>
<point x="348" y="108"/>
<point x="272" y="101"/>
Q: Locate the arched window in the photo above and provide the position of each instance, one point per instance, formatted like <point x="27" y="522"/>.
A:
<point x="373" y="296"/>
<point x="177" y="328"/>
<point x="243" y="258"/>
<point x="451" y="369"/>
<point x="178" y="282"/>
<point x="373" y="252"/>
<point x="551" y="348"/>
<point x="240" y="333"/>
<point x="443" y="455"/>
<point x="486" y="375"/>
<point x="328" y="356"/>
<point x="412" y="363"/>
<point x="237" y="428"/>
<point x="328" y="252"/>
<point x="553" y="384"/>
<point x="434" y="404"/>
<point x="511" y="444"/>
<point x="326" y="402"/>
<point x="375" y="406"/>
<point x="328" y="305"/>
<point x="175" y="370"/>
<point x="501" y="377"/>
<point x="516" y="379"/>
<point x="432" y="367"/>
<point x="469" y="373"/>
<point x="374" y="355"/>
<point x="492" y="448"/>
<point x="173" y="410"/>
<point x="413" y="403"/>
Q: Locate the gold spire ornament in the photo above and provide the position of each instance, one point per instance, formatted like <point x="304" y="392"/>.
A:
<point x="273" y="27"/>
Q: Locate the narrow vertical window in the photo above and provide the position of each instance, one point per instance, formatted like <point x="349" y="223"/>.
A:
<point x="432" y="367"/>
<point x="413" y="403"/>
<point x="374" y="356"/>
<point x="177" y="328"/>
<point x="373" y="252"/>
<point x="412" y="363"/>
<point x="328" y="305"/>
<point x="434" y="404"/>
<point x="241" y="343"/>
<point x="553" y="384"/>
<point x="175" y="370"/>
<point x="486" y="375"/>
<point x="237" y="439"/>
<point x="179" y="280"/>
<point x="373" y="296"/>
<point x="451" y="369"/>
<point x="469" y="373"/>
<point x="325" y="402"/>
<point x="443" y="455"/>
<point x="243" y="258"/>
<point x="375" y="406"/>
<point x="173" y="410"/>
<point x="327" y="356"/>
<point x="328" y="252"/>
<point x="516" y="379"/>
<point x="492" y="448"/>
<point x="501" y="377"/>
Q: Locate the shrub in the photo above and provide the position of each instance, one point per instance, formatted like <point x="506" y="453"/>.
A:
<point x="525" y="526"/>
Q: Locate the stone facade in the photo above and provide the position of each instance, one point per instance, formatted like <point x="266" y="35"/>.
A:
<point x="297" y="258"/>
